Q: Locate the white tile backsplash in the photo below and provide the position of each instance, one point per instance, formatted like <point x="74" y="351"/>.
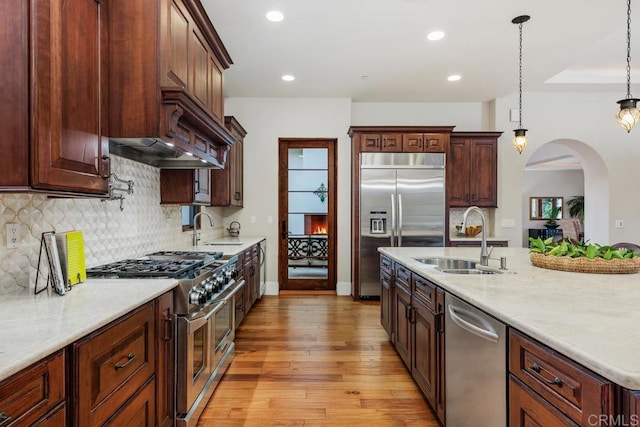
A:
<point x="109" y="234"/>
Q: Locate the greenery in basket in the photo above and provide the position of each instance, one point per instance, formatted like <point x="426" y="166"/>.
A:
<point x="578" y="250"/>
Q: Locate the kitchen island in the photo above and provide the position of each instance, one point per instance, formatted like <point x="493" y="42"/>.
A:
<point x="570" y="347"/>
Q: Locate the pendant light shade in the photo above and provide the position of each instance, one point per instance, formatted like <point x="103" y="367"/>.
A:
<point x="629" y="114"/>
<point x="520" y="134"/>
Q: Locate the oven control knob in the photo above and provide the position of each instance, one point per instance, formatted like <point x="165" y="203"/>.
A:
<point x="209" y="286"/>
<point x="194" y="296"/>
<point x="228" y="275"/>
<point x="219" y="281"/>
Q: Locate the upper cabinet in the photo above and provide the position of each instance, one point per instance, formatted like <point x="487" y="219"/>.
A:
<point x="227" y="183"/>
<point x="165" y="77"/>
<point x="54" y="96"/>
<point x="425" y="142"/>
<point x="185" y="186"/>
<point x="472" y="169"/>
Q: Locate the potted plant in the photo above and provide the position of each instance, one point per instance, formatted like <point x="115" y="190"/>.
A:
<point x="553" y="215"/>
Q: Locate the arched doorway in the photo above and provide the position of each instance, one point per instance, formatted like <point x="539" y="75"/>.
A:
<point x="565" y="154"/>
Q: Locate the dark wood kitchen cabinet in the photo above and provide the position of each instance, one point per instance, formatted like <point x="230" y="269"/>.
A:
<point x="418" y="331"/>
<point x="54" y="93"/>
<point x="551" y="390"/>
<point x="251" y="276"/>
<point x="386" y="295"/>
<point x="166" y="65"/>
<point x="111" y="365"/>
<point x="185" y="186"/>
<point x="165" y="360"/>
<point x="386" y="142"/>
<point x="425" y="142"/>
<point x="36" y="395"/>
<point x="472" y="169"/>
<point x="227" y="184"/>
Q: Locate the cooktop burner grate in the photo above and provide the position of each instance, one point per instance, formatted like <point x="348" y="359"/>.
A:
<point x="145" y="268"/>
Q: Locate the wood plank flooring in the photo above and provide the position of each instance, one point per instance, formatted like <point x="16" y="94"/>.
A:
<point x="318" y="360"/>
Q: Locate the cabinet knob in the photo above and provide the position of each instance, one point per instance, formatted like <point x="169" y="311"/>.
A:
<point x="237" y="196"/>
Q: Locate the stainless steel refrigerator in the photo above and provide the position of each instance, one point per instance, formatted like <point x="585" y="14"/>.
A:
<point x="401" y="204"/>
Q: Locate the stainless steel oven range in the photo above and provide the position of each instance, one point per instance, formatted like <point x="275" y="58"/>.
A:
<point x="205" y="318"/>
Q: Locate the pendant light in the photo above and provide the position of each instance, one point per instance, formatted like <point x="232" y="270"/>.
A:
<point x="520" y="134"/>
<point x="629" y="114"/>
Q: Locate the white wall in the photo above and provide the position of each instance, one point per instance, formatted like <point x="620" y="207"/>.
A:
<point x="266" y="120"/>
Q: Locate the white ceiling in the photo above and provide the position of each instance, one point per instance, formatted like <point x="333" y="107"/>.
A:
<point x="330" y="44"/>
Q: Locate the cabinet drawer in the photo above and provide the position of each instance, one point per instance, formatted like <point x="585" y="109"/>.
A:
<point x="571" y="388"/>
<point x="526" y="408"/>
<point x="435" y="142"/>
<point x="403" y="276"/>
<point x="112" y="364"/>
<point x="31" y="393"/>
<point x="386" y="265"/>
<point x="425" y="291"/>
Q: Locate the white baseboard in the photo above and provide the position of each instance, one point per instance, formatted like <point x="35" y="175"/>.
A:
<point x="343" y="288"/>
<point x="271" y="288"/>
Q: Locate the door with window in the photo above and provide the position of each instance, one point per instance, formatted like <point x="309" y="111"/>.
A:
<point x="307" y="214"/>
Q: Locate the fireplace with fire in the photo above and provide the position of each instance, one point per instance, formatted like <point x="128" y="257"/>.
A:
<point x="310" y="249"/>
<point x="315" y="224"/>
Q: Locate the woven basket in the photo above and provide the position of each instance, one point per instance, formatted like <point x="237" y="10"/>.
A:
<point x="586" y="265"/>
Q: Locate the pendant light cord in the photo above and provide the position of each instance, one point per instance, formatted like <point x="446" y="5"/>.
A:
<point x="628" y="49"/>
<point x="520" y="74"/>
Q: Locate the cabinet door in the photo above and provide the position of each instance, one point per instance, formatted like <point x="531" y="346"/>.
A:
<point x="165" y="362"/>
<point x="412" y="143"/>
<point x="216" y="98"/>
<point x="177" y="58"/>
<point x="137" y="411"/>
<point x="385" y="301"/>
<point x="458" y="168"/>
<point x="239" y="306"/>
<point x="370" y="142"/>
<point x="527" y="409"/>
<point x="440" y="368"/>
<point x="423" y="365"/>
<point x="484" y="173"/>
<point x="237" y="183"/>
<point x="402" y="326"/>
<point x="199" y="68"/>
<point x="202" y="186"/>
<point x="69" y="96"/>
<point x="392" y="142"/>
<point x="435" y="143"/>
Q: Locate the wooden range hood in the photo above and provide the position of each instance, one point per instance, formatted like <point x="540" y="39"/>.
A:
<point x="165" y="84"/>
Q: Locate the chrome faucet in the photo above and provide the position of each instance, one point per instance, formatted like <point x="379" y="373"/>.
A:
<point x="195" y="226"/>
<point x="484" y="253"/>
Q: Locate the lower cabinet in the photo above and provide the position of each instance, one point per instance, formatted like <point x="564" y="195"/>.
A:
<point x="111" y="365"/>
<point x="385" y="301"/>
<point x="548" y="389"/>
<point x="417" y="331"/>
<point x="35" y="395"/>
<point x="121" y="374"/>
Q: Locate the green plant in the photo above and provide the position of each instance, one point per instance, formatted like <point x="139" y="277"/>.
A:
<point x="577" y="250"/>
<point x="553" y="215"/>
<point x="576" y="207"/>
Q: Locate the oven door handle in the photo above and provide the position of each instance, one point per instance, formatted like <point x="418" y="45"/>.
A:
<point x="197" y="323"/>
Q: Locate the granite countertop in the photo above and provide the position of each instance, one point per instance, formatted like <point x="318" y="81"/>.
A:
<point x="35" y="326"/>
<point x="591" y="318"/>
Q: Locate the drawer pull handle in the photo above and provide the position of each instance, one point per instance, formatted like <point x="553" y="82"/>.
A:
<point x="537" y="369"/>
<point x="130" y="358"/>
<point x="4" y="419"/>
<point x="168" y="322"/>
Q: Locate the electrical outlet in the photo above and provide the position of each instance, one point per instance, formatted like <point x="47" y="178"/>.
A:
<point x="269" y="219"/>
<point x="253" y="219"/>
<point x="619" y="223"/>
<point x="12" y="236"/>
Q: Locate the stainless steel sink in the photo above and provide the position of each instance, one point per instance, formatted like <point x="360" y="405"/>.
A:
<point x="457" y="266"/>
<point x="448" y="263"/>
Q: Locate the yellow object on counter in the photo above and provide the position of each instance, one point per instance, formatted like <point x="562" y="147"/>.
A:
<point x="71" y="251"/>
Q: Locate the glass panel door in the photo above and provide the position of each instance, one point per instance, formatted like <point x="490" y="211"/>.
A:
<point x="307" y="196"/>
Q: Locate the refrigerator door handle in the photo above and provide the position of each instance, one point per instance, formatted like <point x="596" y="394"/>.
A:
<point x="399" y="219"/>
<point x="393" y="220"/>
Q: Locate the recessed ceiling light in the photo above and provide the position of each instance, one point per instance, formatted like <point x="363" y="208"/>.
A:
<point x="274" y="16"/>
<point x="435" y="35"/>
<point x="365" y="77"/>
<point x="288" y="78"/>
<point x="454" y="77"/>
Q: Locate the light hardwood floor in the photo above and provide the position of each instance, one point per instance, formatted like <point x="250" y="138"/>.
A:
<point x="315" y="360"/>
